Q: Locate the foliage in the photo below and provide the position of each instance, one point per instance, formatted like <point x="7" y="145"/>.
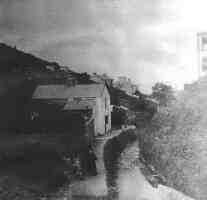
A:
<point x="84" y="78"/>
<point x="118" y="116"/>
<point x="162" y="93"/>
<point x="175" y="143"/>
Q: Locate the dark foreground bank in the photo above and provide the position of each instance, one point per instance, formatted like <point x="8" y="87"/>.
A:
<point x="33" y="166"/>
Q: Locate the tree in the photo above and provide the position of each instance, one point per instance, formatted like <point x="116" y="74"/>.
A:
<point x="118" y="116"/>
<point x="84" y="78"/>
<point x="163" y="93"/>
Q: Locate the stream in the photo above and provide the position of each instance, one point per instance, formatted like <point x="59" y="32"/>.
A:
<point x="125" y="177"/>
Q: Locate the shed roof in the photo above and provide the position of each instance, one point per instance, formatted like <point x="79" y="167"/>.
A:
<point x="65" y="92"/>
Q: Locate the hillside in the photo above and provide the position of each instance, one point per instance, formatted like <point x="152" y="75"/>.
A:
<point x="17" y="66"/>
<point x="176" y="144"/>
<point x="21" y="72"/>
<point x="13" y="59"/>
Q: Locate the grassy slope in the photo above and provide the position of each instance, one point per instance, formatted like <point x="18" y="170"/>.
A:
<point x="176" y="142"/>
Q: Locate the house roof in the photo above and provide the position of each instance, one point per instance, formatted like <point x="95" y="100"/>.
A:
<point x="65" y="92"/>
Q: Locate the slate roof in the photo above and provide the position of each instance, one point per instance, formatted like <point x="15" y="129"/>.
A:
<point x="65" y="92"/>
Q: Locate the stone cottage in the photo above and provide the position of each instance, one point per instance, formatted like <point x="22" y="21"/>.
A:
<point x="92" y="97"/>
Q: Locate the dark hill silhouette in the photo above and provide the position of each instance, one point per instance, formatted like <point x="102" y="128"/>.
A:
<point x="12" y="59"/>
<point x="16" y="61"/>
<point x="19" y="69"/>
<point x="20" y="73"/>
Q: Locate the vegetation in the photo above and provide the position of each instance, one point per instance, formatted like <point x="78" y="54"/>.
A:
<point x="163" y="93"/>
<point x="118" y="117"/>
<point x="175" y="142"/>
<point x="20" y="73"/>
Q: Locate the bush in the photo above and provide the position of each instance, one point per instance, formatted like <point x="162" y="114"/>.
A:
<point x="175" y="142"/>
<point x="118" y="117"/>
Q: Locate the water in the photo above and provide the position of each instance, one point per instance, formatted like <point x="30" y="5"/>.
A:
<point x="131" y="183"/>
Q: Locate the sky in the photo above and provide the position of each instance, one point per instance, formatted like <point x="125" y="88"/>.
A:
<point x="145" y="40"/>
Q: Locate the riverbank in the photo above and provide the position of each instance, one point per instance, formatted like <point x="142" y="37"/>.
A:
<point x="175" y="142"/>
<point x="134" y="179"/>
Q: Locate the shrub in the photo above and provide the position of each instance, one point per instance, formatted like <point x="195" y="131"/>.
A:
<point x="175" y="142"/>
<point x="118" y="116"/>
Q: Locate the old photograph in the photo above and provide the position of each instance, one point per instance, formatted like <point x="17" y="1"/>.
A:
<point x="103" y="100"/>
